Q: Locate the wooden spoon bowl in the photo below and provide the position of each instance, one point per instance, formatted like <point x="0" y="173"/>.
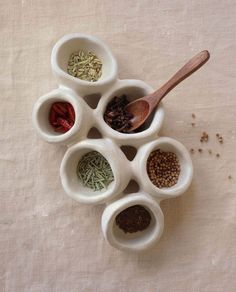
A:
<point x="142" y="108"/>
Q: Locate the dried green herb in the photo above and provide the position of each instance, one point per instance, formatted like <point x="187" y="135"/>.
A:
<point x="94" y="171"/>
<point x="85" y="65"/>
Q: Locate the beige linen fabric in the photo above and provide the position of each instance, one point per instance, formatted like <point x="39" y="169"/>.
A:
<point x="49" y="242"/>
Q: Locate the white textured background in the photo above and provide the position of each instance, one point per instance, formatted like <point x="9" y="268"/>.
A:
<point x="49" y="242"/>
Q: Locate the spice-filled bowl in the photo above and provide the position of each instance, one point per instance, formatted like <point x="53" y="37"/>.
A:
<point x="90" y="171"/>
<point x="133" y="223"/>
<point x="57" y="116"/>
<point x="164" y="168"/>
<point x="109" y="113"/>
<point x="83" y="63"/>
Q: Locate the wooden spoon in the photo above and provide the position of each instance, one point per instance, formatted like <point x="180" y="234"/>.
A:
<point x="142" y="108"/>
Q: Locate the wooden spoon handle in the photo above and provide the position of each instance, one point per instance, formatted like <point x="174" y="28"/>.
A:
<point x="193" y="64"/>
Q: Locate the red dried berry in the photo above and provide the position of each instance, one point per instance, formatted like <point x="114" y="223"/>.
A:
<point x="62" y="106"/>
<point x="60" y="129"/>
<point x="62" y="116"/>
<point x="64" y="123"/>
<point x="52" y="117"/>
<point x="58" y="109"/>
<point x="71" y="111"/>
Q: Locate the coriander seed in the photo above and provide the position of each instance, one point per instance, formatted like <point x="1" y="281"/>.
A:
<point x="204" y="137"/>
<point x="163" y="168"/>
<point x="219" y="138"/>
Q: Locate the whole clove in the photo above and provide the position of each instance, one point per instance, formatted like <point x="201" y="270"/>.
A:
<point x="116" y="116"/>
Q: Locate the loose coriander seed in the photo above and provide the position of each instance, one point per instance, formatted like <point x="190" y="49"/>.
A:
<point x="219" y="138"/>
<point x="204" y="137"/>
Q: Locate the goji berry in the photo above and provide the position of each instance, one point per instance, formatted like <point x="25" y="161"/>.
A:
<point x="71" y="111"/>
<point x="58" y="109"/>
<point x="62" y="116"/>
<point x="64" y="124"/>
<point x="52" y="117"/>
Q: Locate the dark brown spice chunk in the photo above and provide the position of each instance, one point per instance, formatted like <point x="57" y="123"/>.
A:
<point x="192" y="150"/>
<point x="116" y="116"/>
<point x="133" y="219"/>
<point x="193" y="116"/>
<point x="200" y="150"/>
<point x="217" y="155"/>
<point x="163" y="168"/>
<point x="193" y="124"/>
<point x="229" y="177"/>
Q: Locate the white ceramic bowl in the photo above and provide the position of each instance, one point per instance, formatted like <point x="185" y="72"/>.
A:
<point x="137" y="241"/>
<point x="134" y="89"/>
<point x="41" y="116"/>
<point x="72" y="184"/>
<point x="186" y="168"/>
<point x="72" y="43"/>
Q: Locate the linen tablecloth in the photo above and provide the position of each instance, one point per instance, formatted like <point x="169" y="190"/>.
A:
<point x="48" y="242"/>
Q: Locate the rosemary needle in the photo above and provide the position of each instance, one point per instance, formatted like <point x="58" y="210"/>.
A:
<point x="94" y="171"/>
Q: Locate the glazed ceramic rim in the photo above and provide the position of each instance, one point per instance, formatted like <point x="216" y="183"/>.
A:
<point x="113" y="209"/>
<point x="93" y="40"/>
<point x="177" y="189"/>
<point x="53" y="96"/>
<point x="154" y="126"/>
<point x="106" y="150"/>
